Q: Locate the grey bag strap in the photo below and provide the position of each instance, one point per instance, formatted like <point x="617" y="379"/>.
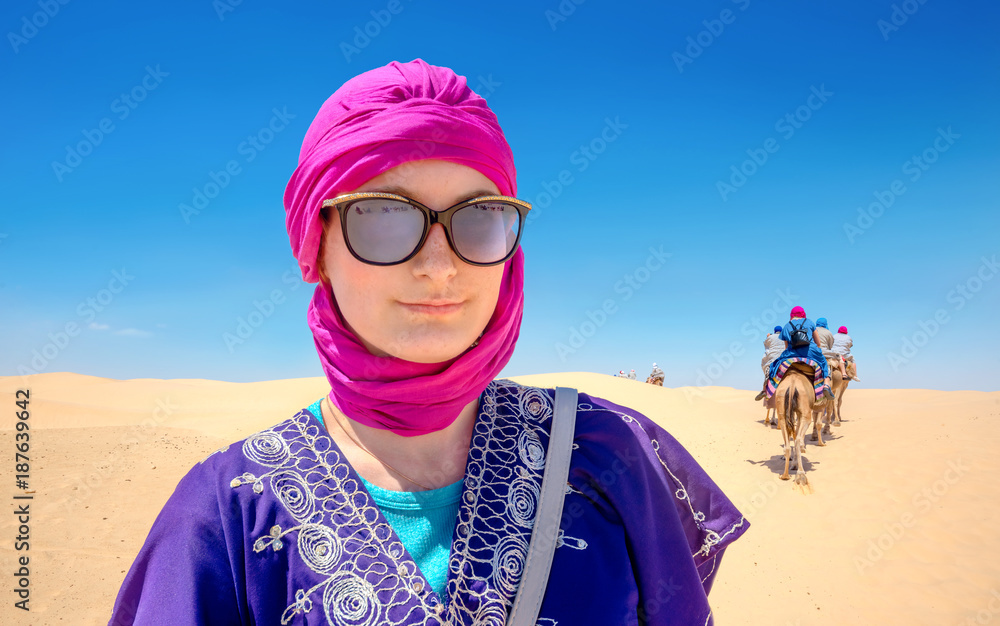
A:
<point x="544" y="535"/>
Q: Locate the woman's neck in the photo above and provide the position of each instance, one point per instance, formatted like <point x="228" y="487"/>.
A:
<point x="434" y="460"/>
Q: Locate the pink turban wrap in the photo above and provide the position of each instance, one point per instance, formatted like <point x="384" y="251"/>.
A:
<point x="798" y="312"/>
<point x="376" y="121"/>
<point x="842" y="330"/>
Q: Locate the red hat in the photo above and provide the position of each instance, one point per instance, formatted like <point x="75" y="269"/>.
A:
<point x="842" y="329"/>
<point x="798" y="312"/>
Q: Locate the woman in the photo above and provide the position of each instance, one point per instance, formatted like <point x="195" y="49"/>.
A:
<point x="408" y="494"/>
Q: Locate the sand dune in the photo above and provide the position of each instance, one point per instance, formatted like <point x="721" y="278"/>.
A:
<point x="898" y="528"/>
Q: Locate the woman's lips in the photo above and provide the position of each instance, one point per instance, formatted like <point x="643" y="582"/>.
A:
<point x="435" y="308"/>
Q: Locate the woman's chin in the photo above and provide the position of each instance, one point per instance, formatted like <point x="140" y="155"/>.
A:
<point x="432" y="351"/>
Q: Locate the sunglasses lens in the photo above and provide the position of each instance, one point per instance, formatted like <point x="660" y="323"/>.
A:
<point x="486" y="232"/>
<point x="383" y="231"/>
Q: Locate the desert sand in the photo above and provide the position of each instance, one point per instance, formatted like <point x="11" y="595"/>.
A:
<point x="898" y="527"/>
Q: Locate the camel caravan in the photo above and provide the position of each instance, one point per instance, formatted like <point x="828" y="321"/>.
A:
<point x="806" y="372"/>
<point x="655" y="378"/>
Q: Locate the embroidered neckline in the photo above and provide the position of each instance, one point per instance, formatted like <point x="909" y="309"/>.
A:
<point x="303" y="460"/>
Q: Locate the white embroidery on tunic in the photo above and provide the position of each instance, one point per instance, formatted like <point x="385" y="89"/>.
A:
<point x="219" y="451"/>
<point x="710" y="537"/>
<point x="313" y="483"/>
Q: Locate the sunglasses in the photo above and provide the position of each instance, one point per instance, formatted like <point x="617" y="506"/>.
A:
<point x="388" y="229"/>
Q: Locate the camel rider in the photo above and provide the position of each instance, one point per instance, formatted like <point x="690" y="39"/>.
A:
<point x="799" y="321"/>
<point x="657" y="374"/>
<point x="842" y="345"/>
<point x="631" y="375"/>
<point x="824" y="338"/>
<point x="773" y="347"/>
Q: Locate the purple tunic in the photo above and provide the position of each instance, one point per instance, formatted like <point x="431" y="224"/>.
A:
<point x="278" y="529"/>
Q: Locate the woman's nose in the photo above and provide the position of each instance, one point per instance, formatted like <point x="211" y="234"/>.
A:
<point x="436" y="259"/>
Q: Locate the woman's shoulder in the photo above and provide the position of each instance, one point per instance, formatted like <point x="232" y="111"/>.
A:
<point x="593" y="412"/>
<point x="607" y="434"/>
<point x="631" y="459"/>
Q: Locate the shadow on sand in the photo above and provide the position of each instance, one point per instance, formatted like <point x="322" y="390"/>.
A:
<point x="777" y="463"/>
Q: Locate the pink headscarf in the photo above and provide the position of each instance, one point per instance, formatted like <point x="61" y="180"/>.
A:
<point x="376" y="121"/>
<point x="798" y="312"/>
<point x="842" y="330"/>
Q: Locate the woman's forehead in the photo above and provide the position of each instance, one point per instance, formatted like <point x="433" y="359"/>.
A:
<point x="432" y="182"/>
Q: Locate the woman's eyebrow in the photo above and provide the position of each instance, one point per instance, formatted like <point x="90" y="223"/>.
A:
<point x="400" y="191"/>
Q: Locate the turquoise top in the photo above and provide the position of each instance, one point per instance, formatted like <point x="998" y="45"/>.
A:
<point x="424" y="521"/>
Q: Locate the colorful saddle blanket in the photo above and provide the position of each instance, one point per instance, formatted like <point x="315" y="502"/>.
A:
<point x="779" y="373"/>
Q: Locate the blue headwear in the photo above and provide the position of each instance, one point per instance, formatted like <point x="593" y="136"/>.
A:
<point x="777" y="329"/>
<point x="821" y="322"/>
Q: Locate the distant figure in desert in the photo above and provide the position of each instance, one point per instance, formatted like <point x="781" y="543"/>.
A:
<point x="656" y="377"/>
<point x="631" y="375"/>
<point x="842" y="345"/>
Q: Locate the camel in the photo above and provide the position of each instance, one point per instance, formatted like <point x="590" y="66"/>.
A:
<point x="657" y="381"/>
<point x="795" y="402"/>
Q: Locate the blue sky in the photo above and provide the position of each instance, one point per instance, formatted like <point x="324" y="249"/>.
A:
<point x="840" y="156"/>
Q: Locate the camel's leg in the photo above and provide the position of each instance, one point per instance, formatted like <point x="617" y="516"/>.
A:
<point x="795" y="427"/>
<point x="782" y="412"/>
<point x="800" y="470"/>
<point x="818" y="426"/>
<point x="788" y="455"/>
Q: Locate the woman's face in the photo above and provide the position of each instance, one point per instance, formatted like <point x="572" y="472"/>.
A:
<point x="388" y="308"/>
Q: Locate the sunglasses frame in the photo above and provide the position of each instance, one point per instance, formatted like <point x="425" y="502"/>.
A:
<point x="431" y="217"/>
